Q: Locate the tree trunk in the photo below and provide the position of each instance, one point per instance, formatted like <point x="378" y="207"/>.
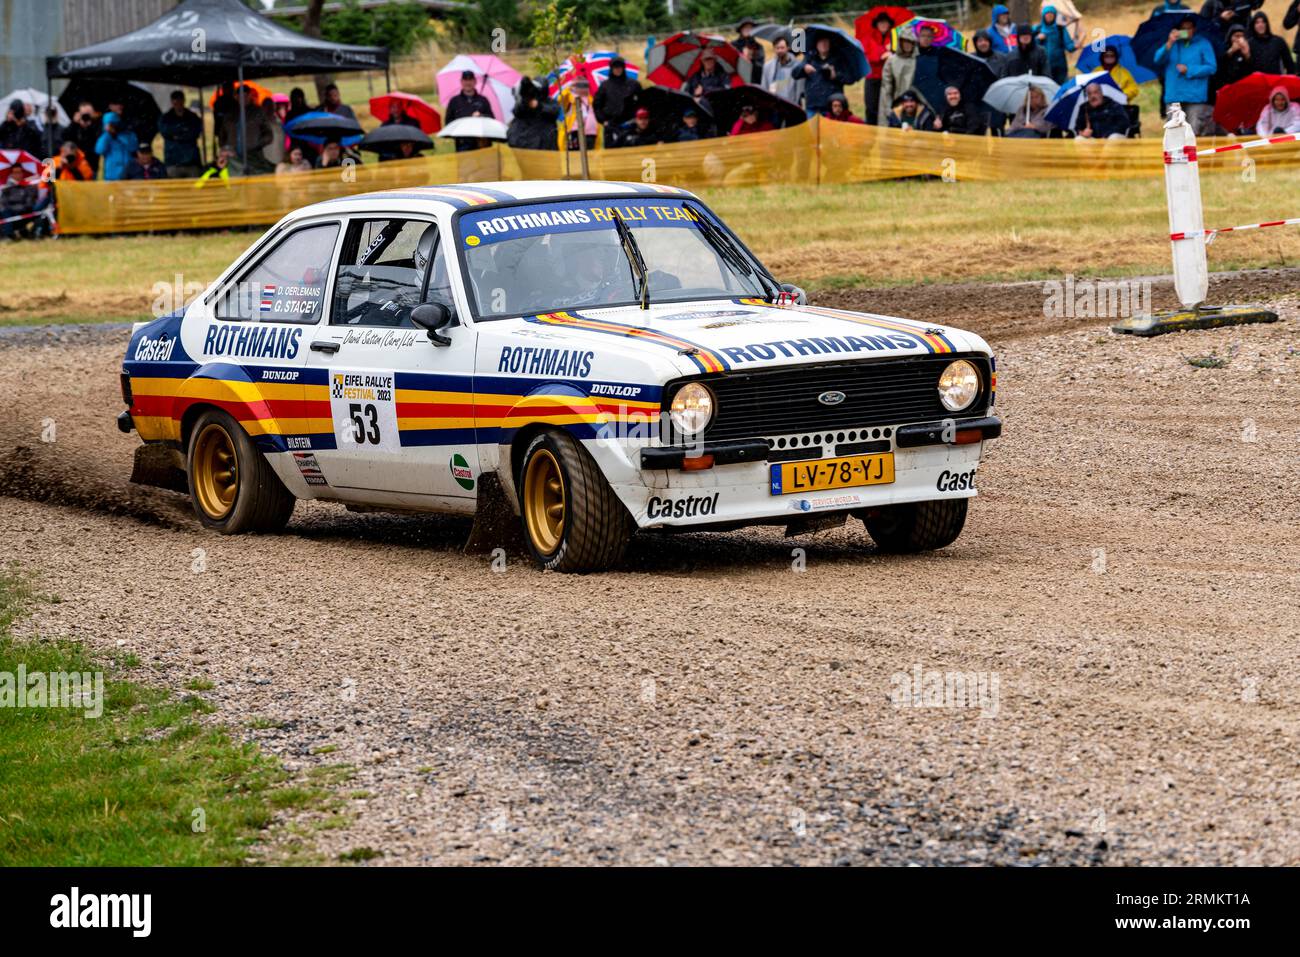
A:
<point x="1019" y="11"/>
<point x="311" y="27"/>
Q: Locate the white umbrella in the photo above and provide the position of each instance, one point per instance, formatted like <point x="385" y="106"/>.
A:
<point x="1007" y="95"/>
<point x="475" y="127"/>
<point x="37" y="101"/>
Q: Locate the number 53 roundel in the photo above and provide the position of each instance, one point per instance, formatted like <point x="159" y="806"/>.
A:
<point x="364" y="410"/>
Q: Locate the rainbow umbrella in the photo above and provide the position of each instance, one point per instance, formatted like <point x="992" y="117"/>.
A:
<point x="944" y="34"/>
<point x="593" y="67"/>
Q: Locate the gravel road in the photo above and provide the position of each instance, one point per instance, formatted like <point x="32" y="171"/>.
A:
<point x="1124" y="598"/>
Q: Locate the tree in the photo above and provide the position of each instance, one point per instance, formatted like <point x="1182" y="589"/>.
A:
<point x="557" y="35"/>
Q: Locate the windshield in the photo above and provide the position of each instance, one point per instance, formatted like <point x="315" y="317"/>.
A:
<point x="544" y="257"/>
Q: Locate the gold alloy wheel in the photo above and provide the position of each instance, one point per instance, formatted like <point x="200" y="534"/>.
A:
<point x="216" y="471"/>
<point x="544" y="501"/>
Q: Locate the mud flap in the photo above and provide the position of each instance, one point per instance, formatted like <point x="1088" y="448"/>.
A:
<point x="1202" y="317"/>
<point x="159" y="466"/>
<point x="495" y="523"/>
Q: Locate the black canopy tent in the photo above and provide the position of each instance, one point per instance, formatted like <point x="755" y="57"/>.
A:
<point x="210" y="42"/>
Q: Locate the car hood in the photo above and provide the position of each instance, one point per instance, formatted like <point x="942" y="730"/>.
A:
<point x="738" y="335"/>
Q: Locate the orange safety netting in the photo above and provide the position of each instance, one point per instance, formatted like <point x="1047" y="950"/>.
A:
<point x="810" y="154"/>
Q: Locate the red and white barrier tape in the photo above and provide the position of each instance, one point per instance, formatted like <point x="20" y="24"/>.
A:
<point x="48" y="214"/>
<point x="1209" y="234"/>
<point x="1249" y="145"/>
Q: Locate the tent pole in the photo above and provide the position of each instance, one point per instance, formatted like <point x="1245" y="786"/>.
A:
<point x="243" y="125"/>
<point x="203" y="129"/>
<point x="49" y="102"/>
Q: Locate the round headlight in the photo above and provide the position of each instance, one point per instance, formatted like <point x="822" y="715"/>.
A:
<point x="959" y="385"/>
<point x="692" y="409"/>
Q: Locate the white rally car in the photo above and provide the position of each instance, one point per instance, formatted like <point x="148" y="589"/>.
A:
<point x="592" y="357"/>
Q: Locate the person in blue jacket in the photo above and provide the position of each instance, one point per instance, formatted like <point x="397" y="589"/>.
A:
<point x="116" y="147"/>
<point x="1057" y="42"/>
<point x="1189" y="62"/>
<point x="1002" y="32"/>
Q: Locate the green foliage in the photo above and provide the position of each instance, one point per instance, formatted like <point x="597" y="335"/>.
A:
<point x="397" y="26"/>
<point x="557" y="33"/>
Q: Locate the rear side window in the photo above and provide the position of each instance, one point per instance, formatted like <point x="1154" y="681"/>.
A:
<point x="288" y="282"/>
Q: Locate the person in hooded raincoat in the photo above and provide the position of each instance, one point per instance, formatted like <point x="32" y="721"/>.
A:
<point x="896" y="75"/>
<point x="1002" y="32"/>
<point x="982" y="47"/>
<point x="1279" y="115"/>
<point x="1268" y="52"/>
<point x="1057" y="42"/>
<point x="1028" y="56"/>
<point x="1122" y="77"/>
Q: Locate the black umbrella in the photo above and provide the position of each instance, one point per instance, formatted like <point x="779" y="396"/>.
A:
<point x="771" y="32"/>
<point x="386" y="139"/>
<point x="726" y="105"/>
<point x="666" y="107"/>
<point x="1153" y="33"/>
<point x="140" y="106"/>
<point x="323" y="124"/>
<point x="948" y="67"/>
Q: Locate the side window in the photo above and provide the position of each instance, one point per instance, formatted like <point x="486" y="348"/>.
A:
<point x="288" y="283"/>
<point x="382" y="272"/>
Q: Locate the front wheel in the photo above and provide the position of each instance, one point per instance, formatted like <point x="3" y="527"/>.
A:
<point x="232" y="485"/>
<point x="917" y="526"/>
<point x="572" y="519"/>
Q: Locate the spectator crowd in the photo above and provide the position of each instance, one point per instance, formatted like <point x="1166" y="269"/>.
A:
<point x="900" y="91"/>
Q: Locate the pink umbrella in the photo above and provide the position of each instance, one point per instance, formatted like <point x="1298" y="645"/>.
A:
<point x="496" y="81"/>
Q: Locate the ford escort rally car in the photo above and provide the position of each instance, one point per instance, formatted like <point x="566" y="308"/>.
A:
<point x="591" y="357"/>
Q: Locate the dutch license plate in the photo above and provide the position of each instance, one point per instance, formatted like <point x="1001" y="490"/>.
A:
<point x="849" y="472"/>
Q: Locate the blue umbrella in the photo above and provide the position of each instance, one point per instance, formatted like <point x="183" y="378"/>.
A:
<point x="1152" y="34"/>
<point x="321" y="117"/>
<point x="1064" y="109"/>
<point x="1090" y="57"/>
<point x="841" y="41"/>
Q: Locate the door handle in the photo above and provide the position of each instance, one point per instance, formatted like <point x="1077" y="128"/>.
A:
<point x="325" y="345"/>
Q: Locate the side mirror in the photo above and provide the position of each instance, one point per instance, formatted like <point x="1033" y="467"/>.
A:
<point x="432" y="316"/>
<point x="792" y="293"/>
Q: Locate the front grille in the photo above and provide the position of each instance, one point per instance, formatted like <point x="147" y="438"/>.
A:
<point x="877" y="392"/>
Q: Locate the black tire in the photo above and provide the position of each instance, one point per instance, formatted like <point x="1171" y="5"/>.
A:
<point x="260" y="502"/>
<point x="917" y="526"/>
<point x="595" y="526"/>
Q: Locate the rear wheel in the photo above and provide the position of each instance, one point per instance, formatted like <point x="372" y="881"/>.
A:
<point x="917" y="526"/>
<point x="233" y="487"/>
<point x="572" y="519"/>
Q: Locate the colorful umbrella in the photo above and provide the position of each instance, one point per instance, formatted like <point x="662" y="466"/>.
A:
<point x="592" y="67"/>
<point x="1090" y="57"/>
<point x="18" y="162"/>
<point x="1064" y="109"/>
<point x="259" y="92"/>
<point x="874" y="43"/>
<point x="944" y="34"/>
<point x="318" y="126"/>
<point x="1153" y="34"/>
<point x="848" y="46"/>
<point x="674" y="59"/>
<point x="1007" y="95"/>
<point x="1239" y="104"/>
<point x="496" y="81"/>
<point x="416" y="108"/>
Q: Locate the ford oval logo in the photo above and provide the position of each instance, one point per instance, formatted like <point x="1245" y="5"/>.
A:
<point x="831" y="398"/>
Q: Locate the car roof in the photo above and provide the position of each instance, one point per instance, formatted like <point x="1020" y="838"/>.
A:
<point x="455" y="196"/>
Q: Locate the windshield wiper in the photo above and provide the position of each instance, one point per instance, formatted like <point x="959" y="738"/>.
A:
<point x="728" y="250"/>
<point x="633" y="253"/>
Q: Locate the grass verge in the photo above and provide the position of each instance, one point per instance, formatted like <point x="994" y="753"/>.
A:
<point x="145" y="783"/>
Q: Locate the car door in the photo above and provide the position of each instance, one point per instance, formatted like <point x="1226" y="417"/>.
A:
<point x="402" y="407"/>
<point x="252" y="333"/>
